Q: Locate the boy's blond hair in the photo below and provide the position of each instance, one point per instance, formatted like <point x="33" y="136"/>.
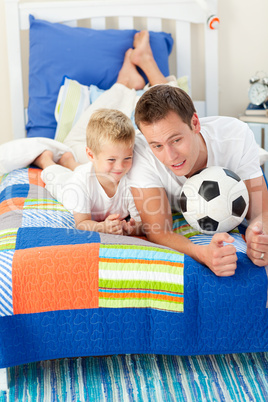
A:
<point x="109" y="125"/>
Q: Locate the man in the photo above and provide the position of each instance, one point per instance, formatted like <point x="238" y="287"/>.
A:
<point x="174" y="146"/>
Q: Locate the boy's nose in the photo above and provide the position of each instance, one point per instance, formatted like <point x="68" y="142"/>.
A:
<point x="119" y="165"/>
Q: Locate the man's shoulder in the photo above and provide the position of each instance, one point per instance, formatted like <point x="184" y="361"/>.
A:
<point x="219" y="120"/>
<point x="223" y="125"/>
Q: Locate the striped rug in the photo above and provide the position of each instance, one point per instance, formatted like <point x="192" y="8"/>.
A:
<point x="233" y="377"/>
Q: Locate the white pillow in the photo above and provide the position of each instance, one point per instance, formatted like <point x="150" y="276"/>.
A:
<point x="73" y="100"/>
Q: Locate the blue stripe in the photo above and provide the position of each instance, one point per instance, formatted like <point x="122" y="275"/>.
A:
<point x="226" y="372"/>
<point x="6" y="302"/>
<point x="215" y="377"/>
<point x="179" y="386"/>
<point x="241" y="382"/>
<point x="128" y="383"/>
<point x="140" y="291"/>
<point x="137" y="253"/>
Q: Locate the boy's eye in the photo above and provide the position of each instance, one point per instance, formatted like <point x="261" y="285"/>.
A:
<point x="111" y="160"/>
<point x="128" y="158"/>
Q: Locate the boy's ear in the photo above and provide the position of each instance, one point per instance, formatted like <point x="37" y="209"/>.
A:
<point x="89" y="154"/>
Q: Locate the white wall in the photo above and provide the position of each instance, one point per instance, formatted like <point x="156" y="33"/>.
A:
<point x="243" y="38"/>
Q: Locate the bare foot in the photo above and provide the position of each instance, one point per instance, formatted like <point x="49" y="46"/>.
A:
<point x="44" y="160"/>
<point x="67" y="160"/>
<point x="142" y="56"/>
<point x="129" y="75"/>
<point x="142" y="53"/>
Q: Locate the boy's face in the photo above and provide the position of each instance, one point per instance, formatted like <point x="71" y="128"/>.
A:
<point x="179" y="148"/>
<point x="113" y="161"/>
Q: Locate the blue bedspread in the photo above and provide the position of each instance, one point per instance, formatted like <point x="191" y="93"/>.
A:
<point x="68" y="293"/>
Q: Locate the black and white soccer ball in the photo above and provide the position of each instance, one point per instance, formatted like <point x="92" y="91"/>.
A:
<point x="214" y="200"/>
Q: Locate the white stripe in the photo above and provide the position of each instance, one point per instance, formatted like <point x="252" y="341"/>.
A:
<point x="138" y="275"/>
<point x="5" y="312"/>
<point x="47" y="219"/>
<point x="7" y="306"/>
<point x="6" y="285"/>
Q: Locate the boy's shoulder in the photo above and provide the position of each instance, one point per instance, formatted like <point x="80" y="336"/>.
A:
<point x="84" y="168"/>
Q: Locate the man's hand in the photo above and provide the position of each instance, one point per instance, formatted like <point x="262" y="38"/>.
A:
<point x="128" y="227"/>
<point x="221" y="258"/>
<point x="257" y="244"/>
<point x="113" y="225"/>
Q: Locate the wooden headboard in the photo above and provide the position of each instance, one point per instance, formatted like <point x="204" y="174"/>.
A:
<point x="183" y="13"/>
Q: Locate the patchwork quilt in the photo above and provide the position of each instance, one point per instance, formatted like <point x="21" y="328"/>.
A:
<point x="66" y="292"/>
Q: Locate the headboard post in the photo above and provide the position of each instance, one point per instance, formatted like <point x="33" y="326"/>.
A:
<point x="211" y="72"/>
<point x="14" y="60"/>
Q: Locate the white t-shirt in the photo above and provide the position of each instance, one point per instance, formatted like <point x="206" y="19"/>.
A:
<point x="230" y="143"/>
<point x="80" y="191"/>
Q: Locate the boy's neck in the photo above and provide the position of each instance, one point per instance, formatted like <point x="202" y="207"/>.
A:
<point x="108" y="185"/>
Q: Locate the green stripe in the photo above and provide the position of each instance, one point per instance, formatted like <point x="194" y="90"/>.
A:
<point x="139" y="266"/>
<point x="138" y="284"/>
<point x="137" y="247"/>
<point x="8" y="239"/>
<point x="45" y="206"/>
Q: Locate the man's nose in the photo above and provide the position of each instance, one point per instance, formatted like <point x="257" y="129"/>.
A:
<point x="171" y="153"/>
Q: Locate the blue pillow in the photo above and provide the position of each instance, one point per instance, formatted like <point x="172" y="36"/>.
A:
<point x="87" y="55"/>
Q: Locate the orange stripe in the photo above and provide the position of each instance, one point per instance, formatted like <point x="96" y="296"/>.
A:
<point x="11" y="204"/>
<point x="55" y="278"/>
<point x="148" y="295"/>
<point x="140" y="261"/>
<point x="34" y="176"/>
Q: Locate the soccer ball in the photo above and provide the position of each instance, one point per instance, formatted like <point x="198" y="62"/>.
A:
<point x="214" y="200"/>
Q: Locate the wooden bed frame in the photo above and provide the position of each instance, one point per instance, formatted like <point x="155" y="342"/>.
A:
<point x="183" y="12"/>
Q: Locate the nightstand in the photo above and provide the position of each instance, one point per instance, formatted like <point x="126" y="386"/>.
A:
<point x="259" y="126"/>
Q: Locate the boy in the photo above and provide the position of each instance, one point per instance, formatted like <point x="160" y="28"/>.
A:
<point x="97" y="192"/>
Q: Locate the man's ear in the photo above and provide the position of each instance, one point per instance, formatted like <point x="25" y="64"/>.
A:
<point x="90" y="154"/>
<point x="196" y="123"/>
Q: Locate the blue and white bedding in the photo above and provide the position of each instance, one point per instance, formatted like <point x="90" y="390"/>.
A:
<point x="65" y="292"/>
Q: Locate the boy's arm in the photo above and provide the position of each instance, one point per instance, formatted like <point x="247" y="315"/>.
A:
<point x="110" y="225"/>
<point x="257" y="231"/>
<point x="154" y="209"/>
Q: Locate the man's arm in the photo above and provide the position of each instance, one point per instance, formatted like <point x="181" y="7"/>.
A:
<point x="154" y="209"/>
<point x="257" y="231"/>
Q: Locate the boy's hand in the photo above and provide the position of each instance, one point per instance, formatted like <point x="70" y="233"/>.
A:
<point x="128" y="227"/>
<point x="113" y="225"/>
<point x="257" y="244"/>
<point x="220" y="258"/>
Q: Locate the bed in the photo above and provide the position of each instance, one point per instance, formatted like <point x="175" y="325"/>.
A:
<point x="68" y="293"/>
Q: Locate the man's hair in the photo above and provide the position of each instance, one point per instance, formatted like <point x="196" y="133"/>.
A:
<point x="109" y="125"/>
<point x="158" y="101"/>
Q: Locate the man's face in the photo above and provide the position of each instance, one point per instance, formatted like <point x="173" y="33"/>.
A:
<point x="179" y="148"/>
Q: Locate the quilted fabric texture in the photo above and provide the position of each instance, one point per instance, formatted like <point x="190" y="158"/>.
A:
<point x="65" y="292"/>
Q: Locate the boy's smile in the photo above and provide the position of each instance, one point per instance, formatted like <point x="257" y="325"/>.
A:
<point x="112" y="162"/>
<point x="178" y="147"/>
